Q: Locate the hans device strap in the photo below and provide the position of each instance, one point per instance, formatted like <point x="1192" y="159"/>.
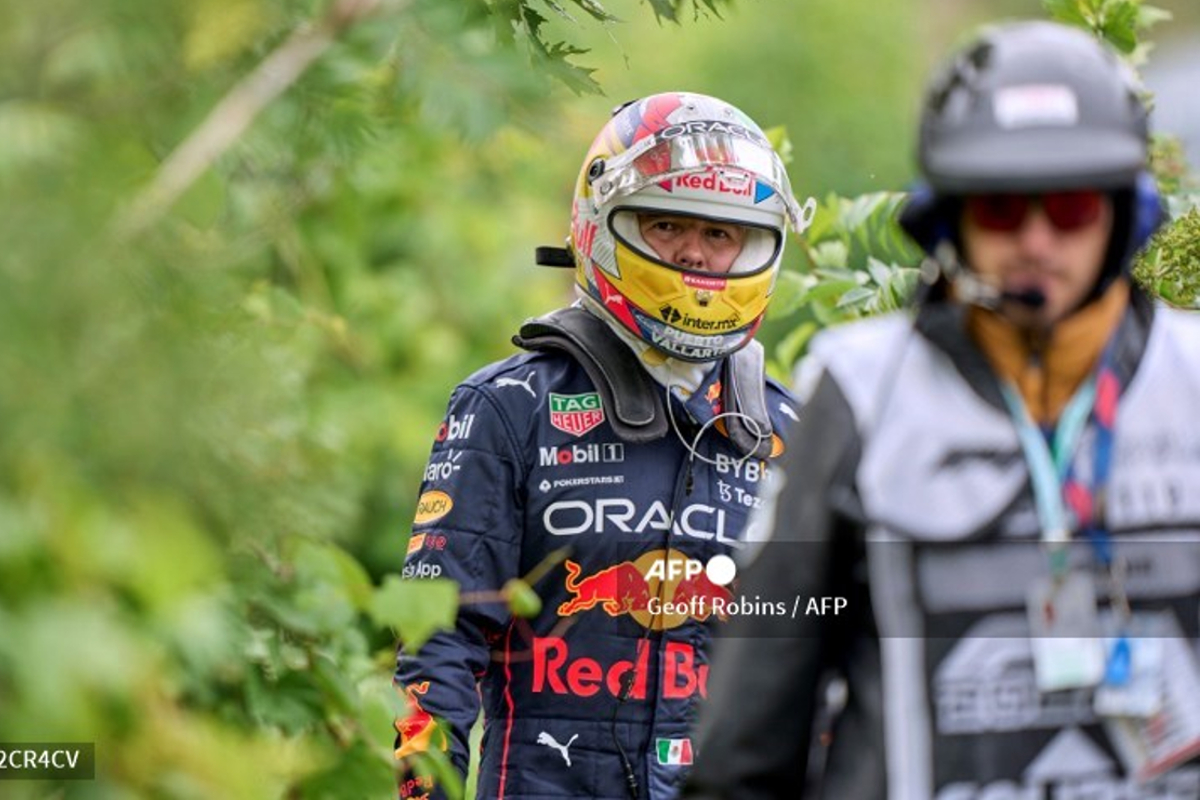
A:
<point x="636" y="400"/>
<point x="745" y="393"/>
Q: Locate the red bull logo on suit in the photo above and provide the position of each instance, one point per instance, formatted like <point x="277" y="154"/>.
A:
<point x="661" y="590"/>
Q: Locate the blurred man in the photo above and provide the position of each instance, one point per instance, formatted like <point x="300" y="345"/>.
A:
<point x="635" y="434"/>
<point x="997" y="496"/>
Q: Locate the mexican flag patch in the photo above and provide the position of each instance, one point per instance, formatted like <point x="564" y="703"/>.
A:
<point x="675" y="752"/>
<point x="576" y="414"/>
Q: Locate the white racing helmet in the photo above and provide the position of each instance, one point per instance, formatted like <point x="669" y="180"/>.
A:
<point x="691" y="155"/>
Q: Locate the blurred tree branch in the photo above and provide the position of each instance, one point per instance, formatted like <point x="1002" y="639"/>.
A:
<point x="230" y="118"/>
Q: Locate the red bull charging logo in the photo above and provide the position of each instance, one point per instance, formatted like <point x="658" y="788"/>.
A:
<point x="661" y="590"/>
<point x="419" y="729"/>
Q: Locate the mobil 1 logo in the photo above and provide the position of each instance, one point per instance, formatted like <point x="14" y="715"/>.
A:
<point x="596" y="453"/>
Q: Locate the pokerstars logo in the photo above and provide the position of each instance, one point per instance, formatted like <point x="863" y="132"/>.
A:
<point x="600" y="453"/>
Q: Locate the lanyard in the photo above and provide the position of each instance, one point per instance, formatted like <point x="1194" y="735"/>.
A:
<point x="1050" y="464"/>
<point x="1057" y="484"/>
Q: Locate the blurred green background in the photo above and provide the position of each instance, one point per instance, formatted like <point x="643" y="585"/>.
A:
<point x="217" y="408"/>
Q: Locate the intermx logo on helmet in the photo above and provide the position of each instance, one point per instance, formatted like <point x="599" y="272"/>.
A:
<point x="672" y="315"/>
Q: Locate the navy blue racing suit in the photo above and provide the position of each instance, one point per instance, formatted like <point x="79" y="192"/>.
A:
<point x="525" y="463"/>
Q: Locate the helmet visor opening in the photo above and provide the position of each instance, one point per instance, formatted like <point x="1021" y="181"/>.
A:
<point x="694" y="242"/>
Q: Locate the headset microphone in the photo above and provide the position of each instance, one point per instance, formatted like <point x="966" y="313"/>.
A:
<point x="1033" y="298"/>
<point x="970" y="288"/>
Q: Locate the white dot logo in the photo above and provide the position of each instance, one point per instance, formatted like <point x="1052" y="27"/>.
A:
<point x="721" y="570"/>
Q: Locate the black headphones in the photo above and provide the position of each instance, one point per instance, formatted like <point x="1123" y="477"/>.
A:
<point x="930" y="218"/>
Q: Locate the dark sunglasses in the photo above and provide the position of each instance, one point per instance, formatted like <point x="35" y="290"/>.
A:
<point x="1067" y="211"/>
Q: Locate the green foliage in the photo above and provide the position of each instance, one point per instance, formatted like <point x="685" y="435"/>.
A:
<point x="522" y="600"/>
<point x="842" y="77"/>
<point x="420" y="609"/>
<point x="857" y="262"/>
<point x="215" y="427"/>
<point x="669" y="9"/>
<point x="1169" y="266"/>
<point x="1122" y="23"/>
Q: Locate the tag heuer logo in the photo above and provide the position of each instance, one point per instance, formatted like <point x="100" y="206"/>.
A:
<point x="576" y="414"/>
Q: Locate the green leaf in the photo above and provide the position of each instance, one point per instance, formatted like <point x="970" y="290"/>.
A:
<point x="855" y="296"/>
<point x="360" y="771"/>
<point x="880" y="273"/>
<point x="293" y="702"/>
<point x="831" y="289"/>
<point x="830" y="255"/>
<point x="664" y="9"/>
<point x="778" y="137"/>
<point x="790" y="292"/>
<point x="415" y="609"/>
<point x="824" y="220"/>
<point x="596" y="10"/>
<point x="340" y="695"/>
<point x="789" y="349"/>
<point x="1149" y="16"/>
<point x="1067" y="11"/>
<point x="34" y="133"/>
<point x="1120" y="26"/>
<point x="522" y="600"/>
<point x="328" y="563"/>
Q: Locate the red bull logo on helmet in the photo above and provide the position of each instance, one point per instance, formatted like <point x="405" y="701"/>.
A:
<point x="735" y="184"/>
<point x="660" y="590"/>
